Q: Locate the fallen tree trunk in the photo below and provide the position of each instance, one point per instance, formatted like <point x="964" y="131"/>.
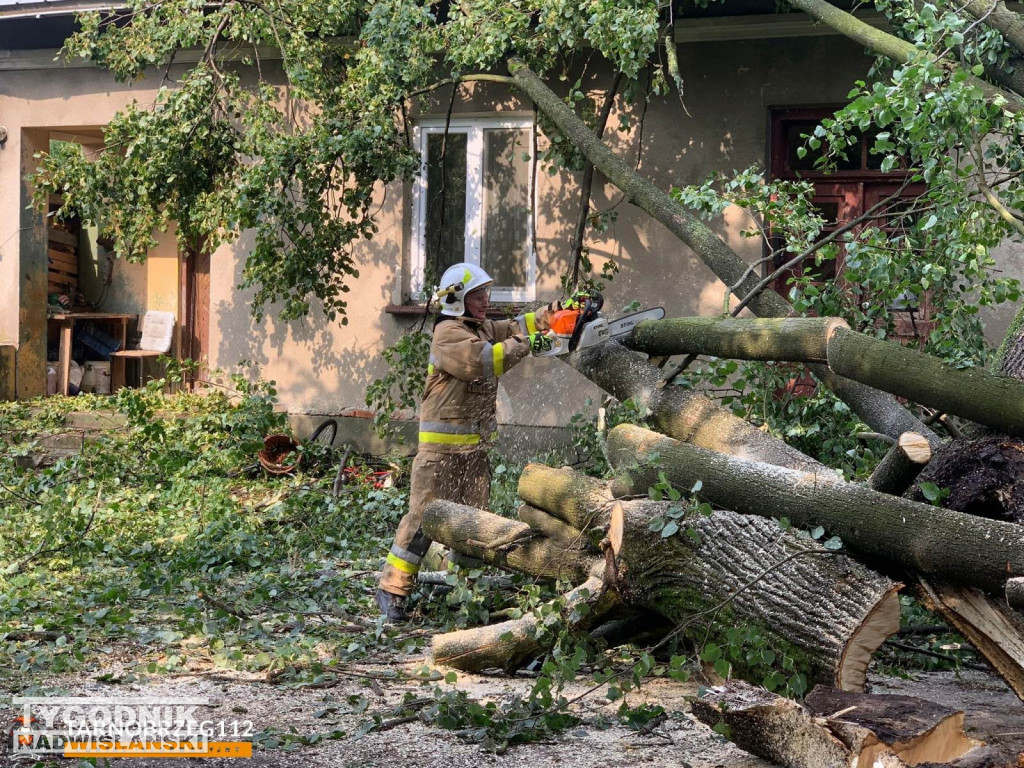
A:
<point x="504" y="543"/>
<point x="973" y="393"/>
<point x="836" y="729"/>
<point x="902" y="464"/>
<point x="682" y="413"/>
<point x="510" y="644"/>
<point x="917" y="537"/>
<point x="796" y="339"/>
<point x="824" y="611"/>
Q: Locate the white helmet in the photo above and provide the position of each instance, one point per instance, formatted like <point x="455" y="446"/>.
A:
<point x="456" y="282"/>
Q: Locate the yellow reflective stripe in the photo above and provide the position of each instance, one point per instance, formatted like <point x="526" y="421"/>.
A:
<point x="401" y="564"/>
<point x="499" y="359"/>
<point x="531" y="322"/>
<point x="448" y="439"/>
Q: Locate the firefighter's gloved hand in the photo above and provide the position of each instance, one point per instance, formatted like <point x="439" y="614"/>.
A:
<point x="539" y="342"/>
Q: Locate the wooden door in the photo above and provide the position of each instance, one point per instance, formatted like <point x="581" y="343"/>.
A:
<point x="195" y="311"/>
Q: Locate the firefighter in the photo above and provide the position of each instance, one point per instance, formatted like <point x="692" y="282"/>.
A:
<point x="457" y="417"/>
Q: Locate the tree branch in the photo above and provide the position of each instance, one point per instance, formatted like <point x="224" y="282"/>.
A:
<point x="892" y="47"/>
<point x="996" y="15"/>
<point x="587" y="183"/>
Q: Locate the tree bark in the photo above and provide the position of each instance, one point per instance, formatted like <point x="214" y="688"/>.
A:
<point x="572" y="497"/>
<point x="826" y="611"/>
<point x="872" y="730"/>
<point x="905" y="534"/>
<point x="974" y="393"/>
<point x="1015" y="594"/>
<point x="510" y="644"/>
<point x="879" y="410"/>
<point x="682" y="413"/>
<point x="800" y="339"/>
<point x="899" y="467"/>
<point x="504" y="543"/>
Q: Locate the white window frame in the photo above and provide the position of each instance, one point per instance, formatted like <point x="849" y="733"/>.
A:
<point x="474" y="128"/>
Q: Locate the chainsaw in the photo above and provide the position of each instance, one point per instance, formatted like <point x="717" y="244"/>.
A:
<point x="572" y="329"/>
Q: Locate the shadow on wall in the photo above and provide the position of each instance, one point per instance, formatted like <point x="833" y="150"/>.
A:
<point x="320" y="366"/>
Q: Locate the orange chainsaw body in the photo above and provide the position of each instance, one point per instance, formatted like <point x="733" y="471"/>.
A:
<point x="563" y="322"/>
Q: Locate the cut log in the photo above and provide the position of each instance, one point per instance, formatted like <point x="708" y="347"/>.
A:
<point x="510" y="644"/>
<point x="905" y="534"/>
<point x="570" y="496"/>
<point x="798" y="339"/>
<point x="901" y="465"/>
<point x="974" y="393"/>
<point x="682" y="413"/>
<point x="914" y="730"/>
<point x="996" y="631"/>
<point x="504" y="543"/>
<point x="826" y="610"/>
<point x="836" y="729"/>
<point x="560" y="533"/>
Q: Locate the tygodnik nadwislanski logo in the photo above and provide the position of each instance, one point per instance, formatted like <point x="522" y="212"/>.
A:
<point x="83" y="726"/>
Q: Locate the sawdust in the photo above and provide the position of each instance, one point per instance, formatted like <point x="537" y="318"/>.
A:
<point x="679" y="742"/>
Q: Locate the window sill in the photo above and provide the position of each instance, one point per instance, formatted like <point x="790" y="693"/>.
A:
<point x="501" y="311"/>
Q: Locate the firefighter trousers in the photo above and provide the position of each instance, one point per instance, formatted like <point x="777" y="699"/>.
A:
<point x="464" y="478"/>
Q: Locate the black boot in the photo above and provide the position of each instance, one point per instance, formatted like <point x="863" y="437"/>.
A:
<point x="391" y="606"/>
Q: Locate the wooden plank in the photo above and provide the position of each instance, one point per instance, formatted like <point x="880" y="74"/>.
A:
<point x="63" y="257"/>
<point x="60" y="236"/>
<point x="61" y="283"/>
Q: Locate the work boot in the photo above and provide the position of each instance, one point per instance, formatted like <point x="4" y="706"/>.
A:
<point x="392" y="607"/>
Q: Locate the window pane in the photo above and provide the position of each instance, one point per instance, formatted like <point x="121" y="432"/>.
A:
<point x="446" y="202"/>
<point x="506" y="206"/>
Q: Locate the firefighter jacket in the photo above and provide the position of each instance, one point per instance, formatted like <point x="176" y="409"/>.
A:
<point x="467" y="356"/>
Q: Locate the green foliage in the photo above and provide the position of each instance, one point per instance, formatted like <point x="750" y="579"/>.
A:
<point x="588" y="441"/>
<point x="784" y="400"/>
<point x="156" y="535"/>
<point x="400" y="388"/>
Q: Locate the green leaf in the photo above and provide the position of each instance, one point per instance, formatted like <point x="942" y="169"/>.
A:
<point x="710" y="653"/>
<point x="723" y="668"/>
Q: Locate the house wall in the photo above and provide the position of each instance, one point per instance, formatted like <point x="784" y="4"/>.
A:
<point x="324" y="368"/>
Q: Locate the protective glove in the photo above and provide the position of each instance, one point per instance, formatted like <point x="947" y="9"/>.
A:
<point x="539" y="342"/>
